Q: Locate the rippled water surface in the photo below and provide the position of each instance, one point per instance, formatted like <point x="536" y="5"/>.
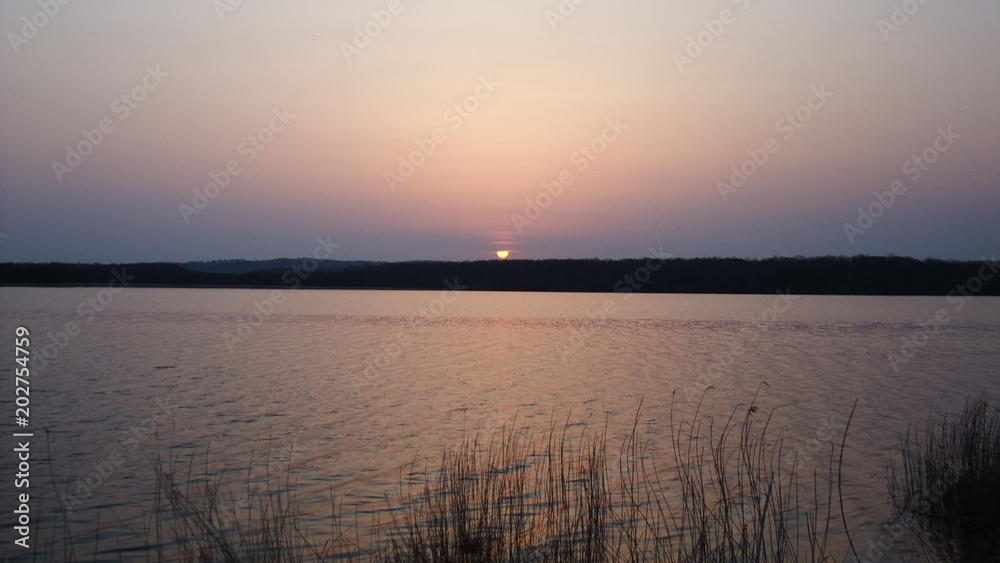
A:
<point x="359" y="383"/>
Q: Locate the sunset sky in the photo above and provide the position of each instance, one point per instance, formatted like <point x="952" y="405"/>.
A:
<point x="410" y="129"/>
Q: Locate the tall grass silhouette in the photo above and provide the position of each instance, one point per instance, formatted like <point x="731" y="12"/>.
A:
<point x="728" y="491"/>
<point x="947" y="485"/>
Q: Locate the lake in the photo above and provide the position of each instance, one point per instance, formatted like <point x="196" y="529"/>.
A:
<point x="345" y="388"/>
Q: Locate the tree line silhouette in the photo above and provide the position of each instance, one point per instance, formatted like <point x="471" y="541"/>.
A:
<point x="830" y="275"/>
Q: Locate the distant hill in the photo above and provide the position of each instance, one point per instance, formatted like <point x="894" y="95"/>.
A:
<point x="247" y="266"/>
<point x="831" y="275"/>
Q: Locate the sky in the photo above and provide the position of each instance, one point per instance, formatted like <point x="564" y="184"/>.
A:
<point x="449" y="130"/>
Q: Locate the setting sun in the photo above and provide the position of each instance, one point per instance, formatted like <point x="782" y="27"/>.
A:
<point x="502" y="254"/>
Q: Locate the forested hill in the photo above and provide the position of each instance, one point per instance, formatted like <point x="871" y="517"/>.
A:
<point x="859" y="275"/>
